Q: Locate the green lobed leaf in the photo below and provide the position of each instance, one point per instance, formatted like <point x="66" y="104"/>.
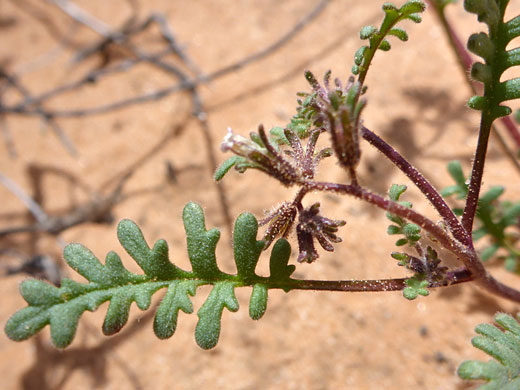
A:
<point x="512" y="29"/>
<point x="207" y="331"/>
<point x="40" y="293"/>
<point x="62" y="307"/>
<point x="415" y="287"/>
<point x="510" y="90"/>
<point x="477" y="103"/>
<point x="503" y="345"/>
<point x="155" y="262"/>
<point x="201" y="243"/>
<point x="396" y="191"/>
<point x="481" y="45"/>
<point x="367" y="32"/>
<point x="226" y="166"/>
<point x="399" y="33"/>
<point x="416" y="18"/>
<point x="492" y="48"/>
<point x="401" y="242"/>
<point x="278" y="135"/>
<point x="385" y="45"/>
<point x="393" y="229"/>
<point x="176" y="298"/>
<point x="393" y="15"/>
<point x="412" y="7"/>
<point x="258" y="301"/>
<point x="358" y="56"/>
<point x="246" y="248"/>
<point x="278" y="264"/>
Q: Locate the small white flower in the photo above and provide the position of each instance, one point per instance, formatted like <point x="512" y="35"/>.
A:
<point x="238" y="144"/>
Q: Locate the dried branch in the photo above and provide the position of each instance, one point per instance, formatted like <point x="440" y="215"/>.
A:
<point x="25" y="107"/>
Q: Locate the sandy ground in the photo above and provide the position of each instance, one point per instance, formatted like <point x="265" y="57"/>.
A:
<point x="306" y="340"/>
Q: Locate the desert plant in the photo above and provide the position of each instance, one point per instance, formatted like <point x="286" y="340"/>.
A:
<point x="288" y="154"/>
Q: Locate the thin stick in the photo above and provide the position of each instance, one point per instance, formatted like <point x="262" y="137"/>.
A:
<point x="199" y="113"/>
<point x="8" y="138"/>
<point x="91" y="211"/>
<point x="22" y="108"/>
<point x="85" y="18"/>
<point x="28" y="202"/>
<point x="46" y="117"/>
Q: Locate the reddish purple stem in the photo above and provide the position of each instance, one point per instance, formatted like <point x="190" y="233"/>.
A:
<point x="422" y="184"/>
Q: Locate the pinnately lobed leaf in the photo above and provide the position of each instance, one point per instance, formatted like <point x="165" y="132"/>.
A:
<point x="495" y="218"/>
<point x="258" y="301"/>
<point x="415" y="287"/>
<point x="226" y="166"/>
<point x="62" y="307"/>
<point x="246" y="248"/>
<point x="207" y="331"/>
<point x="176" y="298"/>
<point x="201" y="242"/>
<point x="503" y="345"/>
<point x="377" y="37"/>
<point x="492" y="47"/>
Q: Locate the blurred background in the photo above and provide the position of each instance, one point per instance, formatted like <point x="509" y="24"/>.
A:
<point x="112" y="110"/>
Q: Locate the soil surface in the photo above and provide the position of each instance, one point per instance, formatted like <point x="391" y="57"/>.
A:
<point x="306" y="340"/>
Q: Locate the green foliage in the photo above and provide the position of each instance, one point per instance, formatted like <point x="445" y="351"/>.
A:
<point x="227" y="165"/>
<point x="377" y="37"/>
<point x="62" y="307"/>
<point x="492" y="48"/>
<point x="503" y="345"/>
<point x="496" y="219"/>
<point x="415" y="286"/>
<point x="410" y="231"/>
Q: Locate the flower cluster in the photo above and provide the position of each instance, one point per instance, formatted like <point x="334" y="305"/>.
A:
<point x="290" y="167"/>
<point x="332" y="109"/>
<point x="311" y="226"/>
<point x="338" y="111"/>
<point x="279" y="222"/>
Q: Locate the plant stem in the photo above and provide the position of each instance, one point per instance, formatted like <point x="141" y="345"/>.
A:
<point x="455" y="277"/>
<point x="394" y="208"/>
<point x="421" y="183"/>
<point x="466" y="254"/>
<point x="476" y="173"/>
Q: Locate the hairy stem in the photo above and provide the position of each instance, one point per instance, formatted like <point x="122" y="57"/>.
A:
<point x="456" y="277"/>
<point x="421" y="183"/>
<point x="466" y="254"/>
<point x="476" y="174"/>
<point x="394" y="208"/>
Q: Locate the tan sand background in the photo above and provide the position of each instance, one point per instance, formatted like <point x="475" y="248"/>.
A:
<point x="306" y="340"/>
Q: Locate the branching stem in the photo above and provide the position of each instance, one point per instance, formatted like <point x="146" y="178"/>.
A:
<point x="466" y="254"/>
<point x="421" y="183"/>
<point x="394" y="208"/>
